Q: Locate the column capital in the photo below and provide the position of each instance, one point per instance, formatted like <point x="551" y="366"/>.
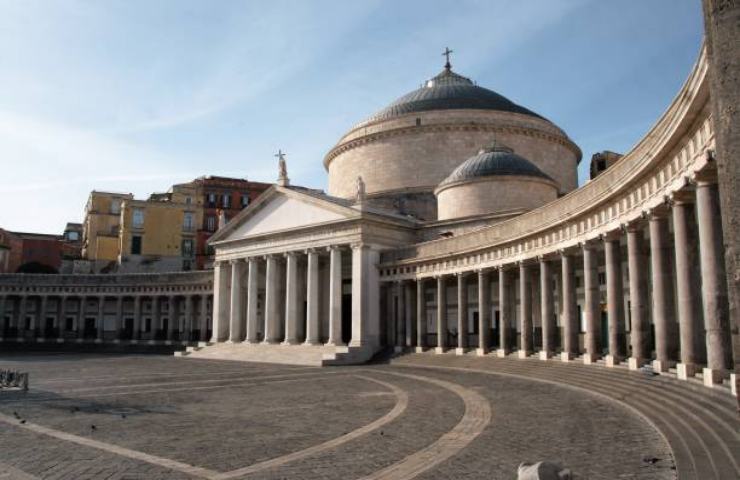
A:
<point x="589" y="244"/>
<point x="331" y="248"/>
<point x="614" y="235"/>
<point x="656" y="213"/>
<point x="681" y="197"/>
<point x="289" y="254"/>
<point x="311" y="251"/>
<point x="359" y="246"/>
<point x="234" y="261"/>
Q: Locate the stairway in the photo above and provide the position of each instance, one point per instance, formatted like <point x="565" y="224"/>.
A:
<point x="307" y="355"/>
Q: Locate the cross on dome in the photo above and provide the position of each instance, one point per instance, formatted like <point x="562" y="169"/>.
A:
<point x="446" y="54"/>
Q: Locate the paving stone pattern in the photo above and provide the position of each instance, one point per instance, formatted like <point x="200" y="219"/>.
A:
<point x="223" y="416"/>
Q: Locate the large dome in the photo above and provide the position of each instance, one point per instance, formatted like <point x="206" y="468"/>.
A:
<point x="448" y="91"/>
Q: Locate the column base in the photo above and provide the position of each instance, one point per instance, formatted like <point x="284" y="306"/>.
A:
<point x="733" y="383"/>
<point x="544" y="355"/>
<point x="713" y="376"/>
<point x="98" y="340"/>
<point x="502" y="353"/>
<point x="480" y="352"/>
<point x="133" y="342"/>
<point x="662" y="366"/>
<point x="460" y="351"/>
<point x="612" y="360"/>
<point x="60" y="340"/>
<point x="315" y="343"/>
<point x="589" y="358"/>
<point x="684" y="371"/>
<point x="290" y="343"/>
<point x="420" y="349"/>
<point x="440" y="350"/>
<point x="635" y="363"/>
<point x="523" y="353"/>
<point x="567" y="357"/>
<point x="328" y="344"/>
<point x="41" y="340"/>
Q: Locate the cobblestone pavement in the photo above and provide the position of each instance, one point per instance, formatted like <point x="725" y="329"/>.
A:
<point x="152" y="417"/>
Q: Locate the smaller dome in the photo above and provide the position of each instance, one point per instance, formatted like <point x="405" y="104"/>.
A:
<point x="497" y="160"/>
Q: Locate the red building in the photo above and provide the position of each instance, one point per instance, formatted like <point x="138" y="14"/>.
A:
<point x="216" y="194"/>
<point x="23" y="252"/>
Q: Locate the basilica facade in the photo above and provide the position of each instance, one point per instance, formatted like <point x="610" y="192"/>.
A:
<point x="453" y="224"/>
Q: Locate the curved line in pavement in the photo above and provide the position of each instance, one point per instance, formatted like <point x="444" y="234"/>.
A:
<point x="476" y="418"/>
<point x="402" y="401"/>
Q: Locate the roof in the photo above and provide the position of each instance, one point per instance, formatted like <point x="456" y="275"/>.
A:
<point x="496" y="160"/>
<point x="448" y="91"/>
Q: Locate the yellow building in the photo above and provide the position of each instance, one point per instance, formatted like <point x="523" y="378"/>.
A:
<point x="158" y="234"/>
<point x="101" y="228"/>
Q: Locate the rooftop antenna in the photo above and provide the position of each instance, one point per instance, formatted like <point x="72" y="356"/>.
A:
<point x="446" y="54"/>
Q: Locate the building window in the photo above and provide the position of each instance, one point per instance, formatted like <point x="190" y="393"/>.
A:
<point x="73" y="236"/>
<point x="188" y="200"/>
<point x="227" y="201"/>
<point x="187" y="222"/>
<point x="211" y="199"/>
<point x="187" y="247"/>
<point x="136" y="245"/>
<point x="138" y="218"/>
<point x="115" y="206"/>
<point x="211" y="223"/>
<point x="245" y="200"/>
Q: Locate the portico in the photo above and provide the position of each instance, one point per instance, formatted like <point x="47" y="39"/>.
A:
<point x="298" y="268"/>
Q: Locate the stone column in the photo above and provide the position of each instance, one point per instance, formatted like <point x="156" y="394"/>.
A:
<point x="409" y="314"/>
<point x="41" y="320"/>
<point x="61" y="320"/>
<point x="686" y="303"/>
<point x="570" y="311"/>
<point x="525" y="309"/>
<point x="313" y="299"/>
<point x="592" y="307"/>
<point x="335" y="296"/>
<point x="291" y="299"/>
<point x="462" y="314"/>
<point x="137" y="318"/>
<point x="636" y="270"/>
<point x="172" y="315"/>
<point x="365" y="297"/>
<point x="441" y="314"/>
<point x="398" y="316"/>
<point x="188" y="330"/>
<point x="547" y="309"/>
<point x="3" y="323"/>
<point x="23" y="310"/>
<point x="252" y="299"/>
<point x="614" y="298"/>
<point x="119" y="319"/>
<point x="236" y="320"/>
<point x="421" y="316"/>
<point x="271" y="300"/>
<point x="221" y="300"/>
<point x="714" y="284"/>
<point x="156" y="318"/>
<point x="204" y="318"/>
<point x="484" y="312"/>
<point x="504" y="313"/>
<point x="80" y="319"/>
<point x="100" y="323"/>
<point x="663" y="302"/>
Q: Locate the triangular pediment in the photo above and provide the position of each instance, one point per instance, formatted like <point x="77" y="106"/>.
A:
<point x="279" y="210"/>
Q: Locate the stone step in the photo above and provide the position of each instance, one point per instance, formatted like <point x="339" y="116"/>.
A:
<point x="307" y="355"/>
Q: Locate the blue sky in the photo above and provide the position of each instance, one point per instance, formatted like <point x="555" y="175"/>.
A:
<point x="134" y="96"/>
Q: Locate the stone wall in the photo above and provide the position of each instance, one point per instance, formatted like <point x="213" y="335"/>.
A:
<point x="399" y="154"/>
<point x="494" y="195"/>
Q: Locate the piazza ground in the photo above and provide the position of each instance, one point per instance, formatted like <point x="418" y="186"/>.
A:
<point x="419" y="416"/>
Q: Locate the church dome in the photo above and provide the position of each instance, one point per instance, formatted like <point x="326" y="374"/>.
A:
<point x="449" y="91"/>
<point x="496" y="181"/>
<point x="497" y="160"/>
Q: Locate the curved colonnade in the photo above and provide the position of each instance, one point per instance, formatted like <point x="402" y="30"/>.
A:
<point x="637" y="252"/>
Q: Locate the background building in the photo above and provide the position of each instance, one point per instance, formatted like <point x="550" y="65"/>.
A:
<point x="24" y="252"/>
<point x="601" y="161"/>
<point x="166" y="232"/>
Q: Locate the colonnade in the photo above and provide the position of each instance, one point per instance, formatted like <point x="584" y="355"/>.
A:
<point x="676" y="312"/>
<point x="27" y="316"/>
<point x="284" y="298"/>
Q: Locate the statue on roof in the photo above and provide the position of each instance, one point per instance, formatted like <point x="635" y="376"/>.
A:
<point x="283" y="179"/>
<point x="360" y="194"/>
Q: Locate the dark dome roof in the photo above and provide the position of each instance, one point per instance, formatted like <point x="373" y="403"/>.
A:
<point x="497" y="160"/>
<point x="447" y="91"/>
